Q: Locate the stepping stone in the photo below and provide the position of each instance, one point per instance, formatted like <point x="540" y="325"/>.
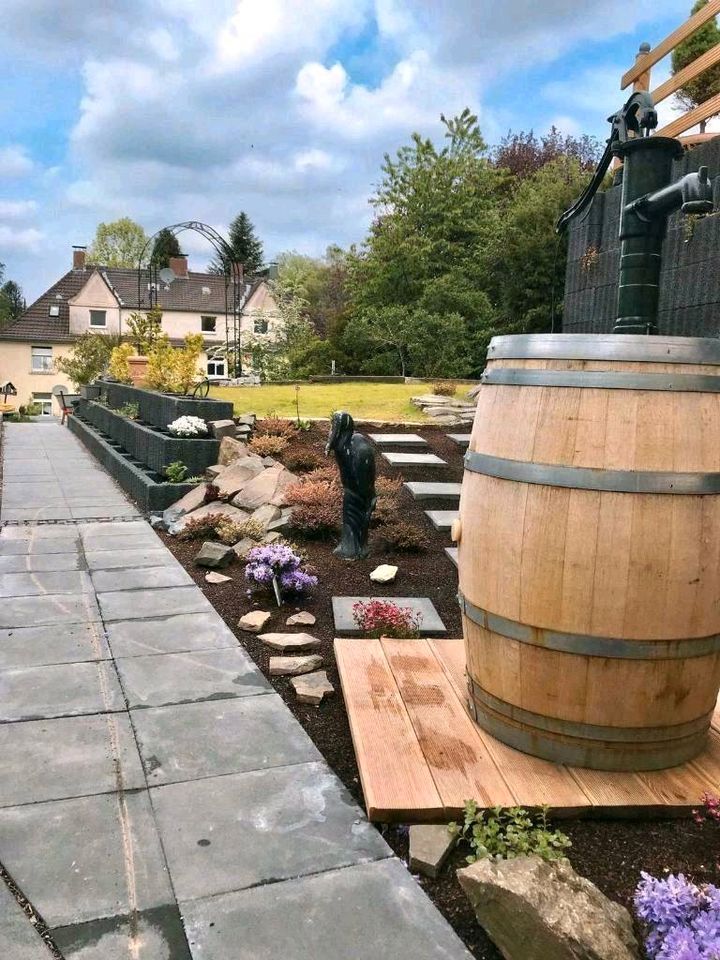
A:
<point x="452" y="552"/>
<point x="414" y="460"/>
<point x="398" y="439"/>
<point x="434" y="491"/>
<point x="254" y="621"/>
<point x="294" y="666"/>
<point x="462" y="439"/>
<point x="385" y="573"/>
<point x="214" y="577"/>
<point x="290" y="641"/>
<point x="442" y="519"/>
<point x="345" y="622"/>
<point x="430" y="846"/>
<point x="302" y="619"/>
<point x="312" y="688"/>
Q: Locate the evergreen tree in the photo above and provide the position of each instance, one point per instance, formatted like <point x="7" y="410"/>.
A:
<point x="246" y="247"/>
<point x="12" y="302"/>
<point x="166" y="245"/>
<point x="707" y="85"/>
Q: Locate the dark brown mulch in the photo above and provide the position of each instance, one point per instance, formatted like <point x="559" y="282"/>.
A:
<point x="611" y="853"/>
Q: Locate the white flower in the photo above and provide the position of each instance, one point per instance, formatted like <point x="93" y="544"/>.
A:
<point x="188" y="427"/>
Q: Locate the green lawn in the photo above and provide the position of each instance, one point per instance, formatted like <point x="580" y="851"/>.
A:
<point x="365" y="401"/>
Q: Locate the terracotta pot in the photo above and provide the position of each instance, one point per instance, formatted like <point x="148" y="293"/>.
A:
<point x="138" y="370"/>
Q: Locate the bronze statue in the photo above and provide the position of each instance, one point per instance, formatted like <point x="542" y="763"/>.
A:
<point x="355" y="457"/>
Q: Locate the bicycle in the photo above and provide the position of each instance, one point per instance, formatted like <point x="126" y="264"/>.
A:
<point x="201" y="389"/>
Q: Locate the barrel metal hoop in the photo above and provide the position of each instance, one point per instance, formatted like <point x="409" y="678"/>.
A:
<point x="621" y="347"/>
<point x="590" y="478"/>
<point x="585" y="731"/>
<point x="580" y="644"/>
<point x="602" y="379"/>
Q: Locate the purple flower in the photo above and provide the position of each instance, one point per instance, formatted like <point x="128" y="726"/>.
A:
<point x="683" y="919"/>
<point x="264" y="564"/>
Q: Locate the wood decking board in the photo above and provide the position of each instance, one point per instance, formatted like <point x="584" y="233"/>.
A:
<point x="420" y="754"/>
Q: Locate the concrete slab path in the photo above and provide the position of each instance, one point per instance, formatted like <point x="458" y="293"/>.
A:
<point x="158" y="801"/>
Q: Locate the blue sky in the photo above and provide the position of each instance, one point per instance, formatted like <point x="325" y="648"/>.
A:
<point x="170" y="110"/>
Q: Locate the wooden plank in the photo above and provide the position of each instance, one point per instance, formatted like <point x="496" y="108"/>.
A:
<point x="461" y="765"/>
<point x="691" y="118"/>
<point x="614" y="792"/>
<point x="690" y="72"/>
<point x="396" y="780"/>
<point x="708" y="763"/>
<point x="685" y="30"/>
<point x="533" y="782"/>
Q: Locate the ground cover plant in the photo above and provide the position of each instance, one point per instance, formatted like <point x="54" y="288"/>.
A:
<point x="504" y="833"/>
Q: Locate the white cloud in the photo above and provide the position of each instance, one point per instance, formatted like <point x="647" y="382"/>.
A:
<point x="17" y="209"/>
<point x="26" y="239"/>
<point x="15" y="161"/>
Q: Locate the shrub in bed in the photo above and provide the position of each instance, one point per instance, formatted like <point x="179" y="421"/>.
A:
<point x="222" y="528"/>
<point x="316" y="507"/>
<point x="303" y="461"/>
<point x="383" y="618"/>
<point x="279" y="563"/>
<point x="443" y="389"/>
<point x="403" y="537"/>
<point x="268" y="445"/>
<point x="276" y="427"/>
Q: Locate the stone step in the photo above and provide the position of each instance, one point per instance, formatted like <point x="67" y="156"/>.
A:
<point x="462" y="439"/>
<point x="430" y="622"/>
<point x="422" y="490"/>
<point x="429" y="460"/>
<point x="398" y="439"/>
<point x="452" y="552"/>
<point x="442" y="519"/>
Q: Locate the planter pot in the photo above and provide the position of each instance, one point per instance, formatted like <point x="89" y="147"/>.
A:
<point x="160" y="409"/>
<point x="138" y="370"/>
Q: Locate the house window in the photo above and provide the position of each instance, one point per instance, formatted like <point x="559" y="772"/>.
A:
<point x="42" y="359"/>
<point x="98" y="318"/>
<point x="54" y="310"/>
<point x="44" y="402"/>
<point x="207" y="324"/>
<point x="261" y="325"/>
<point x="216" y="368"/>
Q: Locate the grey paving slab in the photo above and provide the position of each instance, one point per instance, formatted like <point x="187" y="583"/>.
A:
<point x="19" y="940"/>
<point x="461" y="439"/>
<point x="114" y="528"/>
<point x="120" y="510"/>
<point x="452" y="552"/>
<point x="34" y="514"/>
<point x="442" y="519"/>
<point x="60" y="531"/>
<point x="114" y="580"/>
<point x="37" y="583"/>
<point x="429" y="460"/>
<point x="139" y="540"/>
<point x="227" y="833"/>
<point x="218" y="737"/>
<point x="434" y="491"/>
<point x="398" y="439"/>
<point x="155" y="681"/>
<point x="41" y="562"/>
<point x="151" y="935"/>
<point x="39" y="646"/>
<point x="188" y="631"/>
<point x="67" y="757"/>
<point x="372" y="911"/>
<point x="14" y="548"/>
<point x="59" y="690"/>
<point x="430" y="622"/>
<point x="138" y="604"/>
<point x="63" y="608"/>
<point x="117" y="559"/>
<point x="76" y="860"/>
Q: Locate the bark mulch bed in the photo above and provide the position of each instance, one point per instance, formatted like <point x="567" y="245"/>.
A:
<point x="611" y="853"/>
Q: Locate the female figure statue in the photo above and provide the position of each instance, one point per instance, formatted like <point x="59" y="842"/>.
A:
<point x="355" y="458"/>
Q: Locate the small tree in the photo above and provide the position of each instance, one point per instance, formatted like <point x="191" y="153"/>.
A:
<point x="88" y="359"/>
<point x="145" y="330"/>
<point x="117" y="244"/>
<point x="119" y="367"/>
<point x="707" y="85"/>
<point x="166" y="245"/>
<point x="246" y="248"/>
<point x="186" y="362"/>
<point x="12" y="301"/>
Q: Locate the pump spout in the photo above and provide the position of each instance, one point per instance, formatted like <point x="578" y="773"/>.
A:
<point x="691" y="195"/>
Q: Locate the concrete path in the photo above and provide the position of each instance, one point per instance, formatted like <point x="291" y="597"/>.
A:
<point x="158" y="801"/>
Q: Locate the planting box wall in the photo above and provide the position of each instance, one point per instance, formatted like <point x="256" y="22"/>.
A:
<point x="160" y="409"/>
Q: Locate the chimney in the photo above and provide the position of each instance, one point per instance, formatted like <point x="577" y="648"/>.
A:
<point x="179" y="266"/>
<point x="79" y="258"/>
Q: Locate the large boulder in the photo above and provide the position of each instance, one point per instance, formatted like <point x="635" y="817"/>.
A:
<point x="535" y="910"/>
<point x="266" y="514"/>
<point x="214" y="555"/>
<point x="267" y="487"/>
<point x="191" y="501"/>
<point x="231" y="450"/>
<point x="233" y="478"/>
<point x="222" y="428"/>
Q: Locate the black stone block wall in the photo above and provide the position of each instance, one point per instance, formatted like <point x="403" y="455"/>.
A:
<point x="690" y="279"/>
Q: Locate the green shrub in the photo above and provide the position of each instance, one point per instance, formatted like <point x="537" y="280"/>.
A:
<point x="176" y="471"/>
<point x="129" y="410"/>
<point x="503" y="833"/>
<point x="87" y="360"/>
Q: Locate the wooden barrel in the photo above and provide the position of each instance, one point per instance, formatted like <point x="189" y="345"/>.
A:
<point x="589" y="548"/>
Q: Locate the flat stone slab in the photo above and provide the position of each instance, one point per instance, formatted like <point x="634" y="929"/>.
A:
<point x="254" y="621"/>
<point x="345" y="622"/>
<point x="128" y="579"/>
<point x="39" y="584"/>
<point x="158" y="934"/>
<point x="218" y="737"/>
<point x="398" y="439"/>
<point x="69" y="543"/>
<point x="155" y="681"/>
<point x="117" y="559"/>
<point x="461" y="439"/>
<point x="442" y="519"/>
<point x="19" y="940"/>
<point x="41" y="562"/>
<point x="69" y="858"/>
<point x="452" y="552"/>
<point x="434" y="491"/>
<point x="430" y="846"/>
<point x="294" y="666"/>
<point x="429" y="460"/>
<point x="312" y="687"/>
<point x="61" y="690"/>
<point x="372" y="910"/>
<point x="303" y="618"/>
<point x="40" y="646"/>
<point x="290" y="641"/>
<point x="174" y="634"/>
<point x="227" y="833"/>
<point x="142" y="540"/>
<point x="67" y="757"/>
<point x="138" y="604"/>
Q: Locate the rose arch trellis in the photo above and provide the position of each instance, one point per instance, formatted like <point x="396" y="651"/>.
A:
<point x="233" y="274"/>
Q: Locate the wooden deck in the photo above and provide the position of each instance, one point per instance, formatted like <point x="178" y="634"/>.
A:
<point x="421" y="755"/>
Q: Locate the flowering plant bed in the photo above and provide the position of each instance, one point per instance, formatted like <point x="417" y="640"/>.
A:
<point x="682" y="918"/>
<point x="279" y="566"/>
<point x="190" y="427"/>
<point x="383" y="618"/>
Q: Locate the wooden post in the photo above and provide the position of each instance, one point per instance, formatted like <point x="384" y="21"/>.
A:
<point x="642" y="83"/>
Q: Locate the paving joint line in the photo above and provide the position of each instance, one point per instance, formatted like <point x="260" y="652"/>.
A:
<point x="32" y="913"/>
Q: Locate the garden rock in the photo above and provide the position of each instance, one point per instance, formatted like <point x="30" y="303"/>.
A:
<point x="430" y="845"/>
<point x="312" y="687"/>
<point x="385" y="573"/>
<point x="290" y="641"/>
<point x="213" y="471"/>
<point x="222" y="428"/>
<point x="243" y="548"/>
<point x="208" y="509"/>
<point x="535" y="910"/>
<point x="272" y="537"/>
<point x="214" y="555"/>
<point x="254" y="621"/>
<point x="294" y="666"/>
<point x="266" y="514"/>
<point x="302" y="619"/>
<point x="267" y="487"/>
<point x="191" y="501"/>
<point x="233" y="478"/>
<point x="231" y="450"/>
<point x="246" y="419"/>
<point x="214" y="577"/>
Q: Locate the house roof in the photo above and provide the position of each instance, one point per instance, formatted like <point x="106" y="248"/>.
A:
<point x="197" y="293"/>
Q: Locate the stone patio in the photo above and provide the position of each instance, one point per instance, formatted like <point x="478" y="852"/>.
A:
<point x="157" y="798"/>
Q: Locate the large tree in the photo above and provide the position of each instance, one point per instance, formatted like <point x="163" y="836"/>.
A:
<point x="12" y="302"/>
<point x="166" y="245"/>
<point x="118" y="244"/>
<point x="707" y="85"/>
<point x="246" y="247"/>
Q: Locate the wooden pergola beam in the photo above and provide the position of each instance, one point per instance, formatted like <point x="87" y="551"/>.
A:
<point x="690" y="72"/>
<point x="691" y="118"/>
<point x="685" y="30"/>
